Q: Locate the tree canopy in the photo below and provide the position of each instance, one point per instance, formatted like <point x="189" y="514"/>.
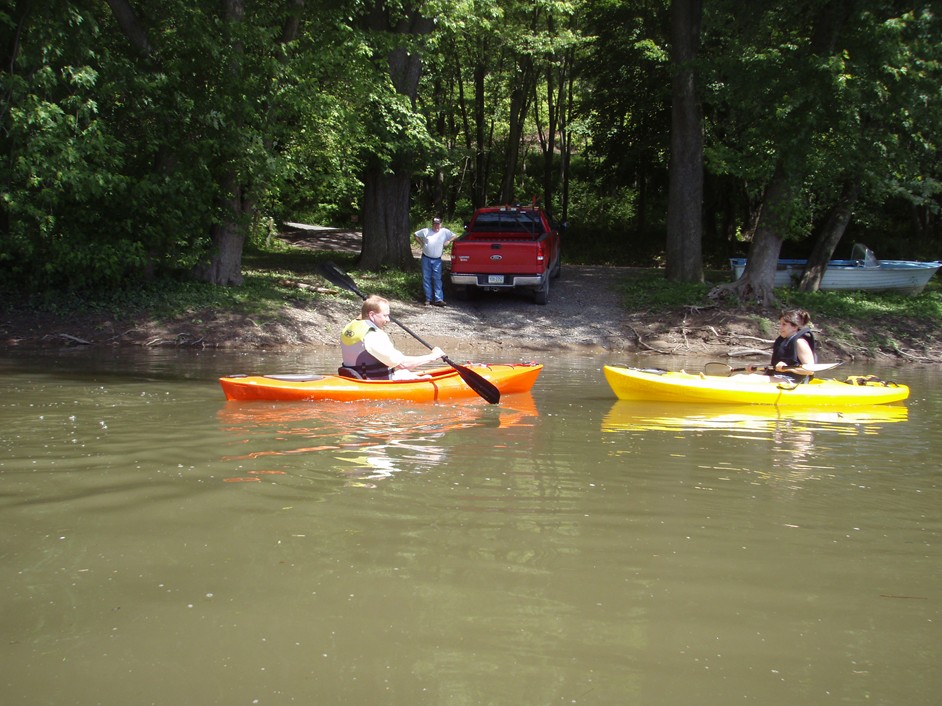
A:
<point x="146" y="140"/>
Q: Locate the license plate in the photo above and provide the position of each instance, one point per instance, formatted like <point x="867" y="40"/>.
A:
<point x="495" y="279"/>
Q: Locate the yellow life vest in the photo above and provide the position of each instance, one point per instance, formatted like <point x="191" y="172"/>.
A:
<point x="356" y="359"/>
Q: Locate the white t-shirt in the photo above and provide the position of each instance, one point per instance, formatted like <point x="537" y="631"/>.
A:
<point x="380" y="346"/>
<point x="433" y="241"/>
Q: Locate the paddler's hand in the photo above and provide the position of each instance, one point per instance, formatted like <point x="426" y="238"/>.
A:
<point x="437" y="353"/>
<point x="795" y="369"/>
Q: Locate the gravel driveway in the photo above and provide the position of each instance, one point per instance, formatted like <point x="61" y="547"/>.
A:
<point x="584" y="310"/>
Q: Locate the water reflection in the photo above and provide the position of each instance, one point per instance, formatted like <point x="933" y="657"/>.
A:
<point x="755" y="420"/>
<point x="797" y="444"/>
<point x="365" y="441"/>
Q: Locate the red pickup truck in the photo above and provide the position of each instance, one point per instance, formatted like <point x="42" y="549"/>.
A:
<point x="507" y="247"/>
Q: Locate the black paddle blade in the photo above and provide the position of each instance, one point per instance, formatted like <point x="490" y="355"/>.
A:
<point x="485" y="388"/>
<point x="335" y="275"/>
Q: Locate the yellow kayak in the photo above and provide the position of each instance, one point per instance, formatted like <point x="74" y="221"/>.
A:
<point x="664" y="386"/>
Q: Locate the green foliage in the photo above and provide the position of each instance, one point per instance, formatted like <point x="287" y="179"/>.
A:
<point x="264" y="294"/>
<point x="118" y="163"/>
<point x="600" y="229"/>
<point x="863" y="306"/>
<point x="491" y="71"/>
<point x="394" y="285"/>
<point x="81" y="213"/>
<point x="271" y="277"/>
<point x="828" y="93"/>
<point x="766" y="327"/>
<point x="626" y="95"/>
<point x="649" y="290"/>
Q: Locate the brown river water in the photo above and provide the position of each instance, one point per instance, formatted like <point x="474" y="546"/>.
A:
<point x="163" y="546"/>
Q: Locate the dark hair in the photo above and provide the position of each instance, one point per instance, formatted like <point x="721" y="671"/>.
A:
<point x="796" y="317"/>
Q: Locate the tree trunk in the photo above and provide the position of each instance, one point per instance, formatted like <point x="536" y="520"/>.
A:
<point x="386" y="233"/>
<point x="547" y="135"/>
<point x="131" y="26"/>
<point x="386" y="219"/>
<point x="565" y="148"/>
<point x="437" y="180"/>
<point x="225" y="266"/>
<point x="830" y="236"/>
<point x="519" y="106"/>
<point x="685" y="192"/>
<point x="758" y="279"/>
<point x="479" y="189"/>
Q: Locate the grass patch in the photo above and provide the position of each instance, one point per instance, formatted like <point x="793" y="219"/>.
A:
<point x="861" y="306"/>
<point x="649" y="290"/>
<point x="270" y="282"/>
<point x="262" y="294"/>
<point x="303" y="265"/>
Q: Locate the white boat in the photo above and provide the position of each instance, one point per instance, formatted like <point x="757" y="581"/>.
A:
<point x="866" y="273"/>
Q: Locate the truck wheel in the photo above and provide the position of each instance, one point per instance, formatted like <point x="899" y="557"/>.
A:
<point x="558" y="270"/>
<point x="462" y="292"/>
<point x="541" y="295"/>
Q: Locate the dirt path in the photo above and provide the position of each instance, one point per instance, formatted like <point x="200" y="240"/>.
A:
<point x="584" y="309"/>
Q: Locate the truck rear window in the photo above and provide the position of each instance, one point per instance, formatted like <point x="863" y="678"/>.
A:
<point x="508" y="222"/>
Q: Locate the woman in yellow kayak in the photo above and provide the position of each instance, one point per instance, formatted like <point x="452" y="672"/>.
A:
<point x="794" y="347"/>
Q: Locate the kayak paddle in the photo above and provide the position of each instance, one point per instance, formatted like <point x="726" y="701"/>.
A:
<point x="721" y="369"/>
<point x="486" y="389"/>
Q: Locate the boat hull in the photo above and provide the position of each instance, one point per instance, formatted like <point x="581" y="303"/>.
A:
<point x="442" y="384"/>
<point x="906" y="276"/>
<point x="661" y="386"/>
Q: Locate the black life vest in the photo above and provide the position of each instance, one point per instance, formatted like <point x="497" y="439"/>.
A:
<point x="785" y="350"/>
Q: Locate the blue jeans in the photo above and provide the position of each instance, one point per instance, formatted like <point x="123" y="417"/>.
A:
<point x="432" y="279"/>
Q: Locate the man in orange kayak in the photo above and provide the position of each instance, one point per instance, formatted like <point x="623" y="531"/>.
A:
<point x="368" y="351"/>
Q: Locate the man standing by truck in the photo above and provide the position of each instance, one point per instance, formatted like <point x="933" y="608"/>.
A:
<point x="433" y="241"/>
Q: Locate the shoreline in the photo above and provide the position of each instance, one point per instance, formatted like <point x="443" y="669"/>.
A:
<point x="585" y="313"/>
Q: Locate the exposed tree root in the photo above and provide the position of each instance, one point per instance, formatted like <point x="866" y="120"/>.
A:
<point x="745" y="290"/>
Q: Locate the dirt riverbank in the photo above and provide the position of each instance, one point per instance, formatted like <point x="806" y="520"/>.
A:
<point x="585" y="312"/>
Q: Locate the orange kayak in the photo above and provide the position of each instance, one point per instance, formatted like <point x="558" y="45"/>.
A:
<point x="442" y="384"/>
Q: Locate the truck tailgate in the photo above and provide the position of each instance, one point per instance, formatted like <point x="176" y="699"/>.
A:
<point x="506" y="256"/>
